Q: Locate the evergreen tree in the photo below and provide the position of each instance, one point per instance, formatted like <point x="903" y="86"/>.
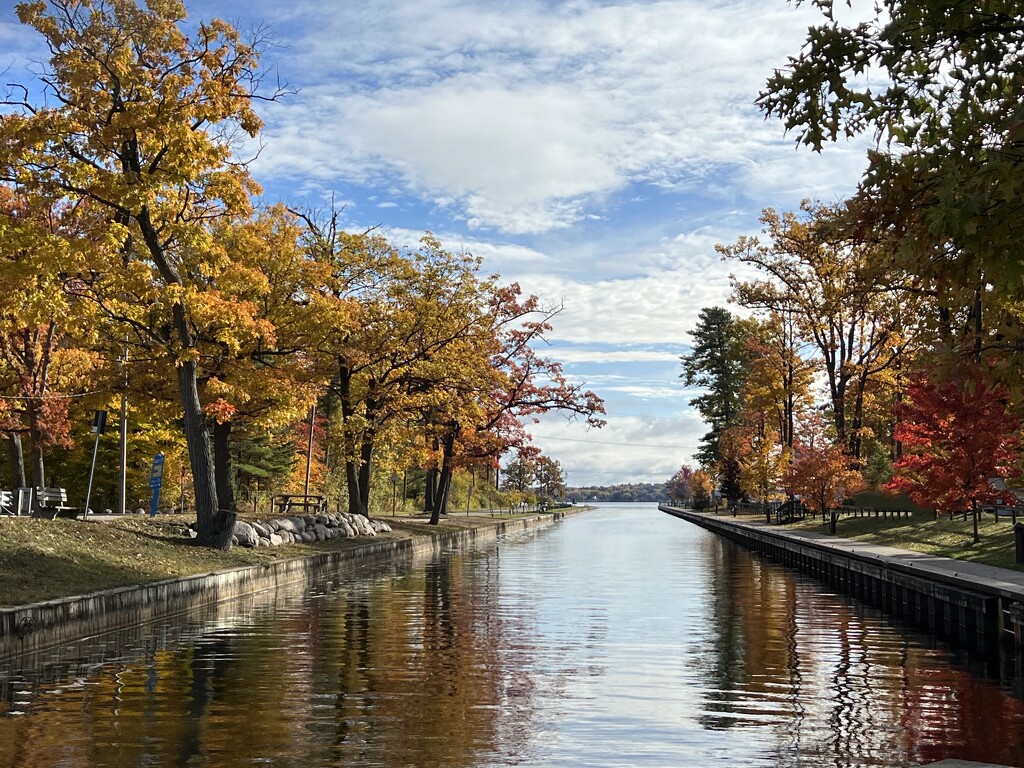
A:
<point x="717" y="366"/>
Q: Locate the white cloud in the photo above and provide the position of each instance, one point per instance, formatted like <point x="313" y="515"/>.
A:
<point x="574" y="355"/>
<point x="627" y="449"/>
<point x="523" y="117"/>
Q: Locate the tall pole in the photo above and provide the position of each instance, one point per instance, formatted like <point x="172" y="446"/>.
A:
<point x="122" y="491"/>
<point x="309" y="449"/>
<point x="99" y="424"/>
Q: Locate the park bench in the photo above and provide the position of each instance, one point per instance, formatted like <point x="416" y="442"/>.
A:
<point x="53" y="503"/>
<point x="7" y="503"/>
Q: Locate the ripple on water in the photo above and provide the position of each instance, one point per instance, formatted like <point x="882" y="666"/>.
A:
<point x="621" y="637"/>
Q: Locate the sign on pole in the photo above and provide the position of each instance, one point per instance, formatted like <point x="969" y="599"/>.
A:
<point x="156" y="479"/>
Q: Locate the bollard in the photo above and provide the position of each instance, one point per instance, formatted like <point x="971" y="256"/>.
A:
<point x="1018" y="539"/>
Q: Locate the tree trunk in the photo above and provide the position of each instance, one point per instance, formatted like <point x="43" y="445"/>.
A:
<point x="354" y="494"/>
<point x="444" y="484"/>
<point x="444" y="481"/>
<point x="215" y="525"/>
<point x="222" y="466"/>
<point x="974" y="510"/>
<point x="16" y="460"/>
<point x="36" y="465"/>
<point x="429" y="491"/>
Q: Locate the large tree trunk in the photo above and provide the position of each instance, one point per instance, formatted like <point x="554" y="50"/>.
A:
<point x="352" y="483"/>
<point x="430" y="490"/>
<point x="16" y="460"/>
<point x="37" y="467"/>
<point x="222" y="466"/>
<point x="352" y="469"/>
<point x="444" y="479"/>
<point x="215" y="525"/>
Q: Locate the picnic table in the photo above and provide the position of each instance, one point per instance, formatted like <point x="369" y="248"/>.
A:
<point x="291" y="503"/>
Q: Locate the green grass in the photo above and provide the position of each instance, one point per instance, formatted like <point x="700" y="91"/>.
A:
<point x="944" y="537"/>
<point x="47" y="559"/>
<point x="921" y="532"/>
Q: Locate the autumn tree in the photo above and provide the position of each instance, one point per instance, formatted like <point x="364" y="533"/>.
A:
<point x="511" y="383"/>
<point x="679" y="488"/>
<point x="520" y="472"/>
<point x="947" y="175"/>
<point x="550" y="478"/>
<point x="957" y="435"/>
<point x="46" y="358"/>
<point x="837" y="293"/>
<point x="763" y="461"/>
<point x="778" y="381"/>
<point x="256" y="329"/>
<point x="142" y="130"/>
<point x="820" y="473"/>
<point x="702" y="484"/>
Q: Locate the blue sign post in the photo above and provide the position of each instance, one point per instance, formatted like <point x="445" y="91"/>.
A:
<point x="156" y="479"/>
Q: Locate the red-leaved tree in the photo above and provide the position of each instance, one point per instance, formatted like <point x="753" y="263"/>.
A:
<point x="820" y="473"/>
<point x="956" y="436"/>
<point x="679" y="489"/>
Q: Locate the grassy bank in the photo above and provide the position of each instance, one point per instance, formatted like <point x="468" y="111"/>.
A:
<point x="46" y="559"/>
<point x="923" y="533"/>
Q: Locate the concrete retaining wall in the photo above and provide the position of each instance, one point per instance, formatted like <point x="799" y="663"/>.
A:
<point x="975" y="605"/>
<point x="30" y="628"/>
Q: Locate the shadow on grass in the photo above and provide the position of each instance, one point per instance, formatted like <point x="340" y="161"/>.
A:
<point x="942" y="537"/>
<point x="32" y="575"/>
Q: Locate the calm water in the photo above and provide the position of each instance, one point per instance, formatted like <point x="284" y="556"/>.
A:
<point x="620" y="637"/>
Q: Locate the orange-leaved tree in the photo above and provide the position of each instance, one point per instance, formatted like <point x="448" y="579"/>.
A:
<point x="820" y="473"/>
<point x="141" y="129"/>
<point x="45" y="333"/>
<point x="957" y="435"/>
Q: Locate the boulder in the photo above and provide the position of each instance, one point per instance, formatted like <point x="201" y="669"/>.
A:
<point x="321" y="532"/>
<point x="244" y="534"/>
<point x="308" y="537"/>
<point x="299" y="523"/>
<point x="276" y="540"/>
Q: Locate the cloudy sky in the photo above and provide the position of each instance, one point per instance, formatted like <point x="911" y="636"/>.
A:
<point x="595" y="151"/>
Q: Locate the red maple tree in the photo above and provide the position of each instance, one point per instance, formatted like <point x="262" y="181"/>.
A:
<point x="956" y="435"/>
<point x="820" y="473"/>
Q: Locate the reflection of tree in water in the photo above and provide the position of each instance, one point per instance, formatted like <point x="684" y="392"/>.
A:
<point x="832" y="682"/>
<point x="419" y="677"/>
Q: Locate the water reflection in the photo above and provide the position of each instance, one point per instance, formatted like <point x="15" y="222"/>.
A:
<point x="834" y="682"/>
<point x="619" y="637"/>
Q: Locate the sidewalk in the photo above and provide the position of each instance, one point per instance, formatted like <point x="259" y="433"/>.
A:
<point x="997" y="581"/>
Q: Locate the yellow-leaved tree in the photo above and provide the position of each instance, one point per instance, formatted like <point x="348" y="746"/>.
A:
<point x="140" y="128"/>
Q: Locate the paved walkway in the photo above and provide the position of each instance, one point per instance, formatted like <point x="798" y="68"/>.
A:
<point x="1000" y="581"/>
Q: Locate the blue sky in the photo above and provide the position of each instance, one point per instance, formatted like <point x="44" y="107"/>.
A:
<point x="593" y="151"/>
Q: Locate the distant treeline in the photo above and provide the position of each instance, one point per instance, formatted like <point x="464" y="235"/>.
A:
<point x="624" y="492"/>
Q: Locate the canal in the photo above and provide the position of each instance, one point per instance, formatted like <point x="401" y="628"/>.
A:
<point x="618" y="637"/>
